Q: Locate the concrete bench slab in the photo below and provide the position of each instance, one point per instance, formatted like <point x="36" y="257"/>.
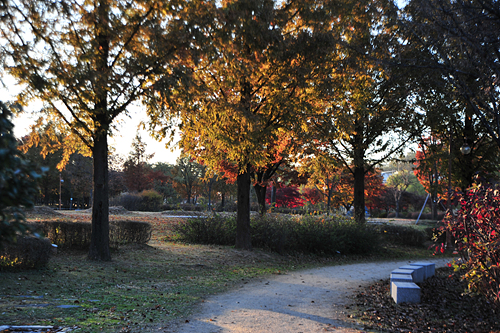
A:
<point x="410" y="272"/>
<point x="400" y="278"/>
<point x="405" y="292"/>
<point x="418" y="276"/>
<point x="429" y="268"/>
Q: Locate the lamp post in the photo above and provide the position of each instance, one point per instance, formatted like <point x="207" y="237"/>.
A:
<point x="60" y="182"/>
<point x="465" y="150"/>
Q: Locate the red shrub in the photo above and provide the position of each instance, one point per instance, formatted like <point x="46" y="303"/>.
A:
<point x="476" y="229"/>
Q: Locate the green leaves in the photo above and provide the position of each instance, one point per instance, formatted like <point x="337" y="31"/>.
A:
<point x="17" y="181"/>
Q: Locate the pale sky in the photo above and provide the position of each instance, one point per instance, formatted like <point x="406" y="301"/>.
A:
<point x="122" y="139"/>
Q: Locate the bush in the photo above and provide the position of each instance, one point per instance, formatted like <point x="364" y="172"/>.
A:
<point x="401" y="235"/>
<point x="146" y="201"/>
<point x="476" y="230"/>
<point x="436" y="234"/>
<point x="327" y="236"/>
<point x="26" y="253"/>
<point x="306" y="234"/>
<point x="129" y="201"/>
<point x="425" y="216"/>
<point x="211" y="230"/>
<point x="150" y="201"/>
<point x="123" y="232"/>
<point x="76" y="235"/>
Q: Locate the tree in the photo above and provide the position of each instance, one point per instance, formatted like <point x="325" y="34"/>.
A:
<point x="368" y="111"/>
<point x="429" y="169"/>
<point x="459" y="40"/>
<point x="49" y="183"/>
<point x="77" y="176"/>
<point x="136" y="168"/>
<point x="116" y="181"/>
<point x="435" y="161"/>
<point x="250" y="77"/>
<point x="161" y="177"/>
<point x="399" y="182"/>
<point x="326" y="175"/>
<point x="187" y="177"/>
<point x="17" y="182"/>
<point x="287" y="196"/>
<point x="88" y="63"/>
<point x="312" y="195"/>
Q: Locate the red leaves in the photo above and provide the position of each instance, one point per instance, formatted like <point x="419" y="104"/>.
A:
<point x="475" y="228"/>
<point x="286" y="197"/>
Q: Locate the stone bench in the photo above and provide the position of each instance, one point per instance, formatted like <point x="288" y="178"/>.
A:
<point x="410" y="272"/>
<point x="405" y="292"/>
<point x="400" y="278"/>
<point x="429" y="268"/>
<point x="418" y="274"/>
<point x="404" y="279"/>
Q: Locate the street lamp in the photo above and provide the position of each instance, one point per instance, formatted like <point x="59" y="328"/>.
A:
<point x="465" y="150"/>
<point x="60" y="182"/>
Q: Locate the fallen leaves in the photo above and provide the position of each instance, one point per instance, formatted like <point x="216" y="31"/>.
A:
<point x="444" y="308"/>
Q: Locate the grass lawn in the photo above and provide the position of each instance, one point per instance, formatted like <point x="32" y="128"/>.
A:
<point x="145" y="286"/>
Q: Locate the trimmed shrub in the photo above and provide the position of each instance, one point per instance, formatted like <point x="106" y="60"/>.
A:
<point x="211" y="230"/>
<point x="26" y="253"/>
<point x="150" y="201"/>
<point x="306" y="234"/>
<point x="401" y="235"/>
<point x="333" y="235"/>
<point x="146" y="201"/>
<point x="123" y="232"/>
<point x="129" y="201"/>
<point x="426" y="216"/>
<point x="77" y="235"/>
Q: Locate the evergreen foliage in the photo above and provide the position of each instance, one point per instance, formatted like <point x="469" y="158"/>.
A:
<point x="17" y="182"/>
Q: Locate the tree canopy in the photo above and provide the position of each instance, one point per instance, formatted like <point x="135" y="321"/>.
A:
<point x="88" y="63"/>
<point x="458" y="41"/>
<point x="250" y="77"/>
<point x="366" y="114"/>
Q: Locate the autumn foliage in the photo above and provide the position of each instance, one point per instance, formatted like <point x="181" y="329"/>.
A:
<point x="476" y="229"/>
<point x="288" y="196"/>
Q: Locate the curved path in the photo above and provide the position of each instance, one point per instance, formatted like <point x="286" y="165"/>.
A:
<point x="303" y="301"/>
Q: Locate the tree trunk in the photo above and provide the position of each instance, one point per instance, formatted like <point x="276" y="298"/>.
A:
<point x="210" y="194"/>
<point x="397" y="207"/>
<point x="359" y="174"/>
<point x="434" y="207"/>
<point x="260" y="191"/>
<point x="46" y="195"/>
<point x="273" y="196"/>
<point x="99" y="242"/>
<point x="469" y="140"/>
<point x="329" y="198"/>
<point x="359" y="195"/>
<point x="243" y="236"/>
<point x="222" y="201"/>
